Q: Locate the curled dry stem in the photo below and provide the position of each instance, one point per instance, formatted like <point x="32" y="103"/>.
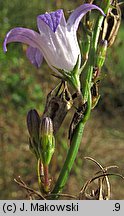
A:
<point x="33" y="193"/>
<point x="103" y="182"/>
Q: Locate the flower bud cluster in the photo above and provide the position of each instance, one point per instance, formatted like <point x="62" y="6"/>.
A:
<point x="42" y="142"/>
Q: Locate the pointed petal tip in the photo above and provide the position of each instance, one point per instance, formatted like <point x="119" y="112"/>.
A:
<point x="78" y="13"/>
<point x="4" y="48"/>
<point x="6" y="40"/>
<point x="4" y="44"/>
<point x="93" y="6"/>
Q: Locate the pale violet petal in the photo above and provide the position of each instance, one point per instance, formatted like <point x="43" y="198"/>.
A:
<point x="78" y="13"/>
<point x="62" y="48"/>
<point x="35" y="56"/>
<point x="67" y="48"/>
<point x="23" y="35"/>
<point x="28" y="37"/>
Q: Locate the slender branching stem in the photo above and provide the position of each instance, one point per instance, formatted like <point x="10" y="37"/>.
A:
<point x="69" y="159"/>
<point x="39" y="173"/>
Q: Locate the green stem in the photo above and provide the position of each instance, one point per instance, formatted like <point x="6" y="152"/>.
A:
<point x="72" y="153"/>
<point x="105" y="4"/>
<point x="39" y="173"/>
<point x="94" y="43"/>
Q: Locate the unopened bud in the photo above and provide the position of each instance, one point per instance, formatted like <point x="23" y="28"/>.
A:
<point x="101" y="54"/>
<point x="46" y="126"/>
<point x="33" y="124"/>
<point x="47" y="141"/>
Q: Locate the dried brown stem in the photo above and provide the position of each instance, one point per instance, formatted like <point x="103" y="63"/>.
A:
<point x="30" y="191"/>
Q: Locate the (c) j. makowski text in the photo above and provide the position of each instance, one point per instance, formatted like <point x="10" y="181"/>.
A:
<point x="36" y="207"/>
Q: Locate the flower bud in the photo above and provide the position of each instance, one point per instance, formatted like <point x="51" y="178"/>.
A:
<point x="46" y="126"/>
<point x="33" y="124"/>
<point x="47" y="142"/>
<point x="101" y="54"/>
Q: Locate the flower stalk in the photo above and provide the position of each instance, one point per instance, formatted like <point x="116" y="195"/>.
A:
<point x="39" y="173"/>
<point x="46" y="179"/>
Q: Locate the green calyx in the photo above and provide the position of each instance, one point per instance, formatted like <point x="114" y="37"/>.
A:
<point x="46" y="145"/>
<point x="46" y="148"/>
<point x="73" y="77"/>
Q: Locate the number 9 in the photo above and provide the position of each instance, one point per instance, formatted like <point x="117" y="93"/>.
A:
<point x="117" y="206"/>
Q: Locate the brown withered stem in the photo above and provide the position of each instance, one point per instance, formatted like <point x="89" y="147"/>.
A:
<point x="102" y="192"/>
<point x="59" y="101"/>
<point x="31" y="193"/>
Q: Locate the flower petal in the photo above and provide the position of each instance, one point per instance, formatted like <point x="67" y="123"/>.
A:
<point x="62" y="49"/>
<point x="35" y="56"/>
<point x="23" y="35"/>
<point x="76" y="16"/>
<point x="29" y="37"/>
<point x="51" y="19"/>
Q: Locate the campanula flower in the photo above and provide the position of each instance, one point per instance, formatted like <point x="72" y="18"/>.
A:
<point x="56" y="40"/>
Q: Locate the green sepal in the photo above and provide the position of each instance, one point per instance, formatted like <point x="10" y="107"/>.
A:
<point x="73" y="77"/>
<point x="46" y="148"/>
